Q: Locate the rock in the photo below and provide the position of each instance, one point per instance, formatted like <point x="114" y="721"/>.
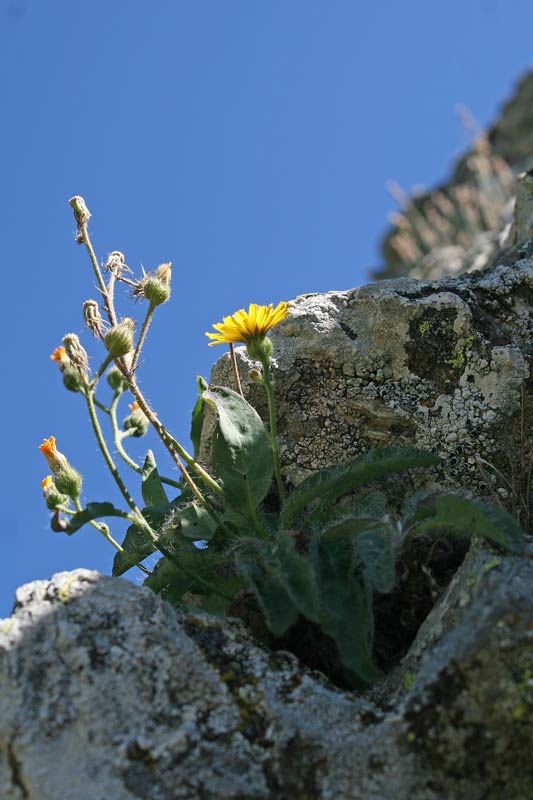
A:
<point x="106" y="691"/>
<point x="442" y="365"/>
<point x="464" y="223"/>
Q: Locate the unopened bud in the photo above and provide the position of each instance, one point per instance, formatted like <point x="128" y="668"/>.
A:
<point x="60" y="357"/>
<point x="72" y="379"/>
<point x="156" y="287"/>
<point x="67" y="480"/>
<point x="119" y="339"/>
<point x="82" y="214"/>
<point x="93" y="318"/>
<point x="255" y="375"/>
<point x="52" y="496"/>
<point x="116" y="379"/>
<point x="137" y="421"/>
<point x="77" y="354"/>
<point x="116" y="263"/>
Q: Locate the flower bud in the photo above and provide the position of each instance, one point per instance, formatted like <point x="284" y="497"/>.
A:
<point x="60" y="357"/>
<point x="72" y="379"/>
<point x="119" y="339"/>
<point x="116" y="263"/>
<point x="137" y="421"/>
<point x="116" y="379"/>
<point x="93" y="318"/>
<point x="67" y="480"/>
<point x="82" y="214"/>
<point x="77" y="354"/>
<point x="54" y="458"/>
<point x="51" y="495"/>
<point x="255" y="375"/>
<point x="259" y="348"/>
<point x="156" y="287"/>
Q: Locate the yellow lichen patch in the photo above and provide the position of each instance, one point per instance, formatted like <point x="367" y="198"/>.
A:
<point x="63" y="593"/>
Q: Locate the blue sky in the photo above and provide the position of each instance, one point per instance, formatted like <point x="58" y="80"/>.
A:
<point x="248" y="142"/>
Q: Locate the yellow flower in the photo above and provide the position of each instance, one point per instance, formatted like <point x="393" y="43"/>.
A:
<point x="55" y="459"/>
<point x="47" y="482"/>
<point x="133" y="407"/>
<point x="246" y="325"/>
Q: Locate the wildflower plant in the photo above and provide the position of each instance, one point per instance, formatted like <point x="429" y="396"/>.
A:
<point x="319" y="553"/>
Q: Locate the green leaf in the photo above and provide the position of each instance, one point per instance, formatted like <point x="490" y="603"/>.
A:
<point x="166" y="577"/>
<point x="197" y="419"/>
<point x="152" y="488"/>
<point x="215" y="604"/>
<point x="364" y="505"/>
<point x="137" y="545"/>
<point x="330" y="484"/>
<point x="416" y="507"/>
<point x="346" y="603"/>
<point x="371" y="543"/>
<point x="90" y="512"/>
<point x="276" y="604"/>
<point x="471" y="517"/>
<point x="375" y="549"/>
<point x="297" y="576"/>
<point x="241" y="450"/>
<point x="196" y="522"/>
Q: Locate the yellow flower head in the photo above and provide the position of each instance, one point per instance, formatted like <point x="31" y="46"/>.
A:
<point x="246" y="325"/>
<point x="47" y="482"/>
<point x="59" y="355"/>
<point x="55" y="459"/>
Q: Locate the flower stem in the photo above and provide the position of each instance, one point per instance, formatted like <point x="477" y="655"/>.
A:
<point x="109" y="307"/>
<point x="142" y="335"/>
<point x="173" y="447"/>
<point x="235" y="369"/>
<point x="272" y="420"/>
<point x="107" y="457"/>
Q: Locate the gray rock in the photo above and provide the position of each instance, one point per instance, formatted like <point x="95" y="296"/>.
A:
<point x="441" y="365"/>
<point x="107" y="692"/>
<point x="464" y="223"/>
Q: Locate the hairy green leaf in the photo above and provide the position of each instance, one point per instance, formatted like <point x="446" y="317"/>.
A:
<point x="196" y="522"/>
<point x="369" y="546"/>
<point x="241" y="450"/>
<point x="152" y="488"/>
<point x="90" y="512"/>
<point x="197" y="419"/>
<point x="137" y="546"/>
<point x="364" y="505"/>
<point x="297" y="576"/>
<point x="470" y="517"/>
<point x="167" y="576"/>
<point x="346" y="603"/>
<point x="330" y="484"/>
<point x="274" y="600"/>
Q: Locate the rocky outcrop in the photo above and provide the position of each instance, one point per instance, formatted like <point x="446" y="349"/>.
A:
<point x="462" y="224"/>
<point x="107" y="692"/>
<point x="441" y="365"/>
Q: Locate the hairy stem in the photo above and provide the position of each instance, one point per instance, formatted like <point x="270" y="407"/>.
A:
<point x="272" y="421"/>
<point x="235" y="369"/>
<point x="142" y="335"/>
<point x="108" y="459"/>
